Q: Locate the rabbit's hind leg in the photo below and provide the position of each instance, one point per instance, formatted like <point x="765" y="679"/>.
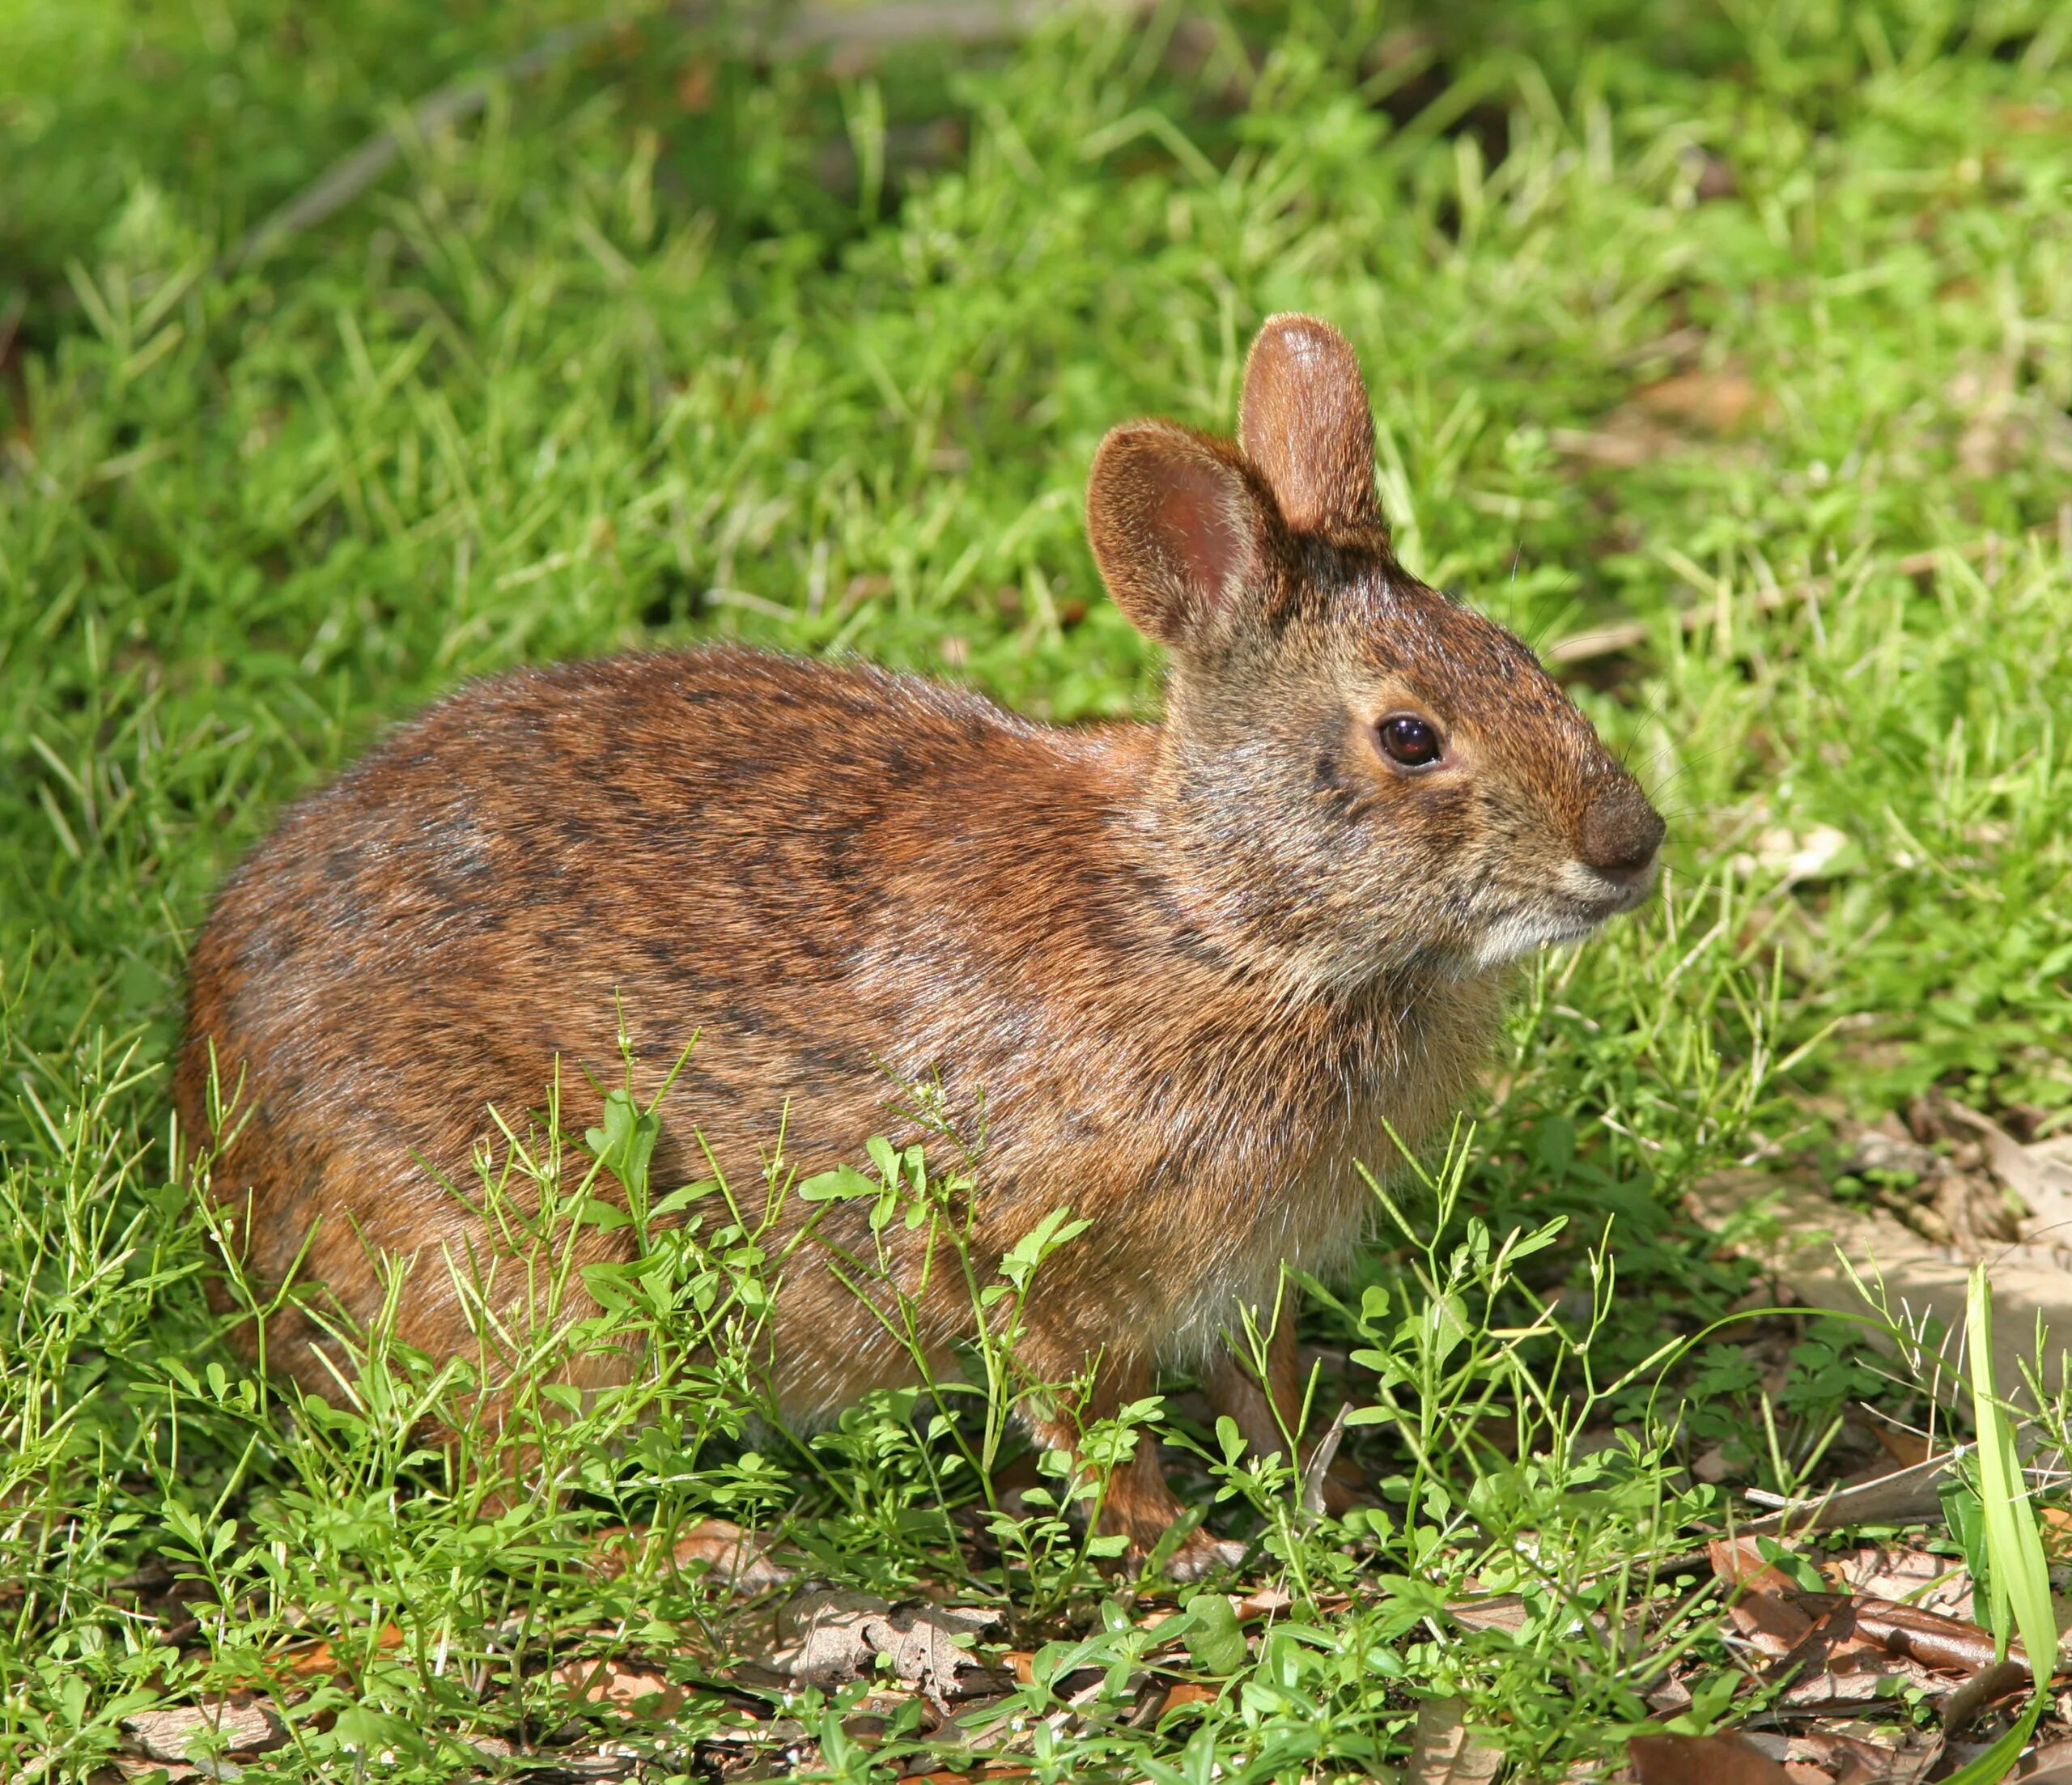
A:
<point x="1137" y="1502"/>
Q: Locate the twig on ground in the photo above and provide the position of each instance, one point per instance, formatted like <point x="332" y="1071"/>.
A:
<point x="1608" y="641"/>
<point x="898" y="21"/>
<point x="1995" y="1680"/>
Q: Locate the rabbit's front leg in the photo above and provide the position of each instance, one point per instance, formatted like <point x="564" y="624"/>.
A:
<point x="1265" y="1412"/>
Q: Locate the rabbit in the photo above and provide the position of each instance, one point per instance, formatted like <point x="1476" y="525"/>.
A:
<point x="1187" y="976"/>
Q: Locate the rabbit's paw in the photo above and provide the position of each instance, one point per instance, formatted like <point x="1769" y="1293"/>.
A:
<point x="1202" y="1555"/>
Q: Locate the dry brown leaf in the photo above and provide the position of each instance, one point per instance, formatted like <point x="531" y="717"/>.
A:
<point x="715" y="1546"/>
<point x="321" y="1657"/>
<point x="1846" y="1625"/>
<point x="1498" y="1612"/>
<point x="1914" y="1577"/>
<point x="1189" y="1692"/>
<point x="1659" y="418"/>
<point x="2048" y="1765"/>
<point x="1972" y="1209"/>
<point x="695" y="82"/>
<point x="983" y="1772"/>
<point x="621" y="1683"/>
<point x="1769" y="1621"/>
<point x="1260" y="1604"/>
<point x="1316" y="1471"/>
<point x="836" y="1636"/>
<point x="1904" y="1447"/>
<point x="1443" y="1752"/>
<point x="1702" y="1760"/>
<point x="1962" y="1708"/>
<point x="2003" y="424"/>
<point x="1245" y="1607"/>
<point x="179" y="1734"/>
<point x="1859" y="1677"/>
<point x="1624" y="441"/>
<point x="1760" y="1605"/>
<point x="2026" y="118"/>
<point x="1719" y="400"/>
<point x="1859" y="1650"/>
<point x="2057" y="1532"/>
<point x="1887" y="1145"/>
<point x="1739" y="1562"/>
<point x="1847" y="1759"/>
<point x="1794" y="857"/>
<point x="1953" y="1644"/>
<point x="1796" y="1237"/>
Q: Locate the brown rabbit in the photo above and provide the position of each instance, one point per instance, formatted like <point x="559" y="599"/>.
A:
<point x="1194" y="971"/>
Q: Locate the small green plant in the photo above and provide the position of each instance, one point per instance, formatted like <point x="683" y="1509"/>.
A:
<point x="2015" y="1579"/>
<point x="1049" y="1545"/>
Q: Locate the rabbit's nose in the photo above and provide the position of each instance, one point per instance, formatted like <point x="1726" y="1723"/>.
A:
<point x="1621" y="832"/>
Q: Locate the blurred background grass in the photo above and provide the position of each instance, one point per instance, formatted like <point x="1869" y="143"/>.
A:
<point x="679" y="339"/>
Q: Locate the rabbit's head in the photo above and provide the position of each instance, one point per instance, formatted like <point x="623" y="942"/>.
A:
<point x="1358" y="776"/>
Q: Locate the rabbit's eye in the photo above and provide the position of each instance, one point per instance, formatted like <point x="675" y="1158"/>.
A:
<point x="1408" y="740"/>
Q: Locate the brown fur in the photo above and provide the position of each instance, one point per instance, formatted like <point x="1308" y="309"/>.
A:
<point x="1191" y="971"/>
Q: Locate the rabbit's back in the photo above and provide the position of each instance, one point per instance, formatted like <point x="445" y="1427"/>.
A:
<point x="843" y="885"/>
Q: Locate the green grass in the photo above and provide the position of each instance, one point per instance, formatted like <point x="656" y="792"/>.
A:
<point x="667" y="345"/>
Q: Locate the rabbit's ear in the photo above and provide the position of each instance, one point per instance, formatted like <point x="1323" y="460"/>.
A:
<point x="1304" y="422"/>
<point x="1179" y="526"/>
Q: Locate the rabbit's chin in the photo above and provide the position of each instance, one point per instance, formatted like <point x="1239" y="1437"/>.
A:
<point x="1514" y="938"/>
<point x="1581" y="903"/>
<point x="1519" y="933"/>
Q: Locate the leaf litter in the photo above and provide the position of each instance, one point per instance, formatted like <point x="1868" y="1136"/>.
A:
<point x="1838" y="1652"/>
<point x="1892" y="1222"/>
<point x="939" y="1671"/>
<point x="1445" y="1752"/>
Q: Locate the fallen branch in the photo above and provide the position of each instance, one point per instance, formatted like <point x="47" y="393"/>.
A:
<point x="898" y="21"/>
<point x="345" y="180"/>
<point x="1904" y="1496"/>
<point x="797" y="30"/>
